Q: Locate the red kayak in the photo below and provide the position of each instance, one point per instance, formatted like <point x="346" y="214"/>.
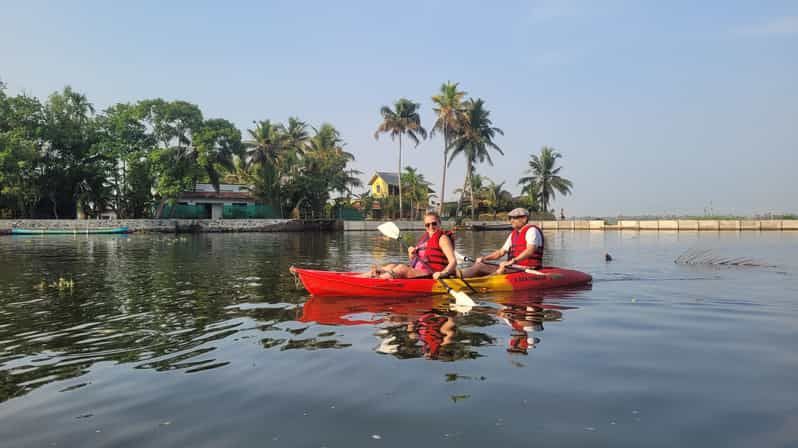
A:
<point x="329" y="283"/>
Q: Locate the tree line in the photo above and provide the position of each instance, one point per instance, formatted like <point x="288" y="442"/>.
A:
<point x="60" y="158"/>
<point x="468" y="131"/>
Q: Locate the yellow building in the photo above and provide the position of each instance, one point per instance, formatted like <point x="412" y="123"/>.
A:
<point x="384" y="184"/>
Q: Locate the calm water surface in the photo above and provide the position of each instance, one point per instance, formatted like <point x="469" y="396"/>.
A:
<point x="204" y="341"/>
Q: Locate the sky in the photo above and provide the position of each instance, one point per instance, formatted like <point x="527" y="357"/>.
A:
<point x="675" y="107"/>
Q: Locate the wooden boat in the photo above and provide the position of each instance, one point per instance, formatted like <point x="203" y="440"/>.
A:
<point x="492" y="226"/>
<point x="75" y="231"/>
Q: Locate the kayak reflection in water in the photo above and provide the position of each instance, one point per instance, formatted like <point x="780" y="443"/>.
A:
<point x="433" y="255"/>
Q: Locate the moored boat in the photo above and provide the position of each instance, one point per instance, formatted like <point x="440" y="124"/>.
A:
<point x="492" y="226"/>
<point x="74" y="231"/>
<point x="330" y="283"/>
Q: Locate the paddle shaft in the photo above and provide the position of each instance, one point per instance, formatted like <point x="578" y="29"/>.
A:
<point x="517" y="267"/>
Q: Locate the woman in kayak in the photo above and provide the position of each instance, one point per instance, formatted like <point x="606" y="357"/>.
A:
<point x="433" y="255"/>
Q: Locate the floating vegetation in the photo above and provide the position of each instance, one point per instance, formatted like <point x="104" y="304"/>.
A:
<point x="707" y="257"/>
<point x="62" y="285"/>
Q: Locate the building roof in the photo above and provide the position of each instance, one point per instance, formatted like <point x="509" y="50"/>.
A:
<point x="389" y="178"/>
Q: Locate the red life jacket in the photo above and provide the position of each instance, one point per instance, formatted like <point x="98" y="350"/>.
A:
<point x="518" y="245"/>
<point x="429" y="255"/>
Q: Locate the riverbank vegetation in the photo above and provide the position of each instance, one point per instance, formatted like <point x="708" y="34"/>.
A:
<point x="60" y="158"/>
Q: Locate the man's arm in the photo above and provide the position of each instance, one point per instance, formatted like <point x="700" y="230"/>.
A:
<point x="496" y="253"/>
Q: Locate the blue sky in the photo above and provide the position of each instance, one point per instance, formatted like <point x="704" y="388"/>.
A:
<point x="657" y="107"/>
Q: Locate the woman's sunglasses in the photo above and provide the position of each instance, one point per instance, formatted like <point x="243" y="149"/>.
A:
<point x="430" y="224"/>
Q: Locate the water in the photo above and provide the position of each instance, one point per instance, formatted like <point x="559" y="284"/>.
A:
<point x="161" y="340"/>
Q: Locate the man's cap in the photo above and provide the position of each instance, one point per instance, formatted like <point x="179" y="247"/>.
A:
<point x="518" y="212"/>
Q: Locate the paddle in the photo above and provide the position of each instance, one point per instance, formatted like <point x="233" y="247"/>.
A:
<point x="461" y="257"/>
<point x="390" y="230"/>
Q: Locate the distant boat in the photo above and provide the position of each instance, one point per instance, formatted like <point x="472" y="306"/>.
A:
<point x="496" y="226"/>
<point x="86" y="231"/>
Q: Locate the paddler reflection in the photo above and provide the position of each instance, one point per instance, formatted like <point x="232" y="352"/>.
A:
<point x="427" y="327"/>
<point x="526" y="320"/>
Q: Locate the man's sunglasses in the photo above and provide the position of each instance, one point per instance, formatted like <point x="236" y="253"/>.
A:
<point x="430" y="224"/>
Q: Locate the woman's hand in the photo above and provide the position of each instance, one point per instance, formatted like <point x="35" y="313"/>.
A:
<point x="480" y="260"/>
<point x="411" y="251"/>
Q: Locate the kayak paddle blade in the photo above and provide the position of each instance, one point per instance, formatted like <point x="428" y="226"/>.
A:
<point x="389" y="229"/>
<point x="461" y="298"/>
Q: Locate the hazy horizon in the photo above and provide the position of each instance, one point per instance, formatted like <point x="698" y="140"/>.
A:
<point x="657" y="108"/>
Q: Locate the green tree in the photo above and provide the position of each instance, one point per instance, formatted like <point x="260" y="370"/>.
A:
<point x="474" y="140"/>
<point x="126" y="143"/>
<point x="217" y="141"/>
<point x="174" y="161"/>
<point x="322" y="170"/>
<point x="265" y="151"/>
<point x="21" y="130"/>
<point x="403" y="119"/>
<point x="544" y="178"/>
<point x="495" y="197"/>
<point x="450" y="115"/>
<point x="416" y="188"/>
<point x="72" y="163"/>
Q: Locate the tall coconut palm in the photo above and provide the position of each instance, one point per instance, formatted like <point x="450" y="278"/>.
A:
<point x="265" y="150"/>
<point x="449" y="111"/>
<point x="544" y="178"/>
<point x="403" y="119"/>
<point x="474" y="140"/>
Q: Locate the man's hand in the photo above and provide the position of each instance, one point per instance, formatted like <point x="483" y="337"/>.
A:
<point x="438" y="275"/>
<point x="479" y="260"/>
<point x="503" y="265"/>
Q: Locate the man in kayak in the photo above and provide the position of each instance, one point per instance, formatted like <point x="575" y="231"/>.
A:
<point x="433" y="255"/>
<point x="524" y="247"/>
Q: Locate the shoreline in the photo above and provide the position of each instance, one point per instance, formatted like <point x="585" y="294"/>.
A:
<point x="294" y="225"/>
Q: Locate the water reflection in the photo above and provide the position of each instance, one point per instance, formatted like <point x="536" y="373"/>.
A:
<point x="431" y="328"/>
<point x="176" y="303"/>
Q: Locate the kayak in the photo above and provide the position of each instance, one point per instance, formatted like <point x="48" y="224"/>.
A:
<point x="86" y="231"/>
<point x="330" y="283"/>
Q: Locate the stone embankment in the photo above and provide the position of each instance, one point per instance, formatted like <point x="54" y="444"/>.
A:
<point x="172" y="225"/>
<point x="669" y="225"/>
<point x="292" y="225"/>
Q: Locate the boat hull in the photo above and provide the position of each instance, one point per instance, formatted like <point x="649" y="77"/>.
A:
<point x="96" y="231"/>
<point x="338" y="284"/>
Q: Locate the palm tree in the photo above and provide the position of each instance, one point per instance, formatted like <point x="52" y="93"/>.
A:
<point x="417" y="189"/>
<point x="544" y="178"/>
<point x="266" y="150"/>
<point x="449" y="110"/>
<point x="474" y="140"/>
<point x="494" y="195"/>
<point x="402" y="120"/>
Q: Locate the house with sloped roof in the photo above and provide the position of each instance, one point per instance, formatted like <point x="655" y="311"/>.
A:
<point x="384" y="184"/>
<point x="207" y="203"/>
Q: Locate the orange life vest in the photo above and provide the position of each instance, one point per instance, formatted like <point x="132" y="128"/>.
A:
<point x="518" y="245"/>
<point x="429" y="255"/>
